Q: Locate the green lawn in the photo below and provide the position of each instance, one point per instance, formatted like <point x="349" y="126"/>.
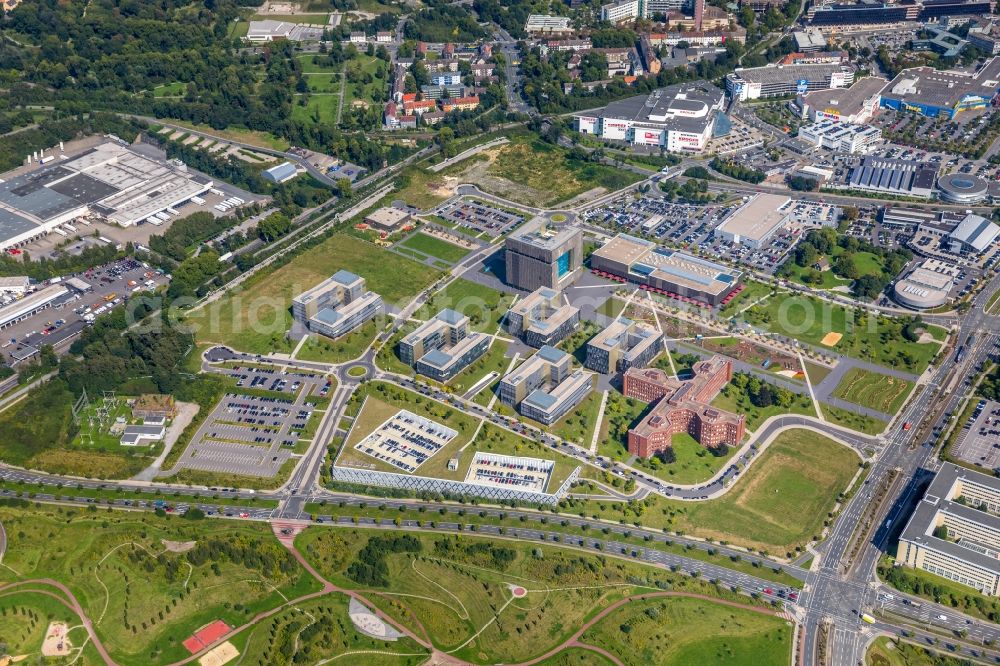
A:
<point x="828" y="279"/>
<point x="877" y="339"/>
<point x="612" y="307"/>
<point x="255" y="317"/>
<point x="862" y="423"/>
<point x="485" y="307"/>
<point x="143" y="599"/>
<point x="683" y="631"/>
<point x="319" y="109"/>
<point x="374" y="71"/>
<point x="494" y="360"/>
<point x="325" y="350"/>
<point x="578" y="425"/>
<point x="880" y="392"/>
<point x="734" y="399"/>
<point x="752" y="292"/>
<point x="175" y="89"/>
<point x="435" y="247"/>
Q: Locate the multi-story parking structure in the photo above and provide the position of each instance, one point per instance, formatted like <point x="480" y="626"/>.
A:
<point x="954" y="531"/>
<point x="542" y="318"/>
<point x="546" y="387"/>
<point x="684" y="406"/>
<point x="443" y="347"/>
<point x="777" y="80"/>
<point x="337" y="305"/>
<point x="622" y="345"/>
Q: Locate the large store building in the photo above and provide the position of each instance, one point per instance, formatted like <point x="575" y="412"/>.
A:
<point x="954" y="531"/>
<point x="680" y="118"/>
<point x="684" y="406"/>
<point x="943" y="94"/>
<point x="855" y="105"/>
<point x="662" y="269"/>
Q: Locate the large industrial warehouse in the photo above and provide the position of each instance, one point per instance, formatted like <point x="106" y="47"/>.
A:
<point x="108" y="180"/>
<point x="679" y="118"/>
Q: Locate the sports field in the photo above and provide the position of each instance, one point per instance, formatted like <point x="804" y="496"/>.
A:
<point x="884" y="393"/>
<point x="435" y="247"/>
<point x="255" y="317"/>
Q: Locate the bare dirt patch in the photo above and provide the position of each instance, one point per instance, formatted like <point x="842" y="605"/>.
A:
<point x="56" y="643"/>
<point x="178" y="546"/>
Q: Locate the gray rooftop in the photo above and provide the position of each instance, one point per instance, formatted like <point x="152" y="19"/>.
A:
<point x="933" y="87"/>
<point x="346" y="278"/>
<point x="13" y="225"/>
<point x="788" y="73"/>
<point x="658" y="107"/>
<point x="551" y="354"/>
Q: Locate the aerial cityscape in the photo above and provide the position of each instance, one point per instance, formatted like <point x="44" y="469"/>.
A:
<point x="473" y="332"/>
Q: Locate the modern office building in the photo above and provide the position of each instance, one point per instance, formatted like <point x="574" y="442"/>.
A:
<point x="443" y="347"/>
<point x="622" y="345"/>
<point x="961" y="9"/>
<point x="754" y="223"/>
<point x="680" y="118"/>
<point x="945" y="94"/>
<point x="776" y="80"/>
<point x="546" y="387"/>
<point x="856" y="105"/>
<point x="683" y="406"/>
<point x="337" y="305"/>
<point x="542" y="318"/>
<point x="881" y="174"/>
<point x="927" y="285"/>
<point x="543" y="255"/>
<point x="841" y="137"/>
<point x="954" y="531"/>
<point x="664" y="270"/>
<point x="621" y="11"/>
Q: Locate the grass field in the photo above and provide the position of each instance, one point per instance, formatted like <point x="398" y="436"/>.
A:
<point x="419" y="188"/>
<point x="255" y="318"/>
<point x="175" y="89"/>
<point x="778" y="504"/>
<point x="435" y="247"/>
<point x="530" y="171"/>
<point x="880" y="392"/>
<point x="494" y="360"/>
<point x="578" y="425"/>
<point x="752" y="292"/>
<point x="249" y="137"/>
<point x="860" y="422"/>
<point x="144" y="599"/>
<point x="612" y="307"/>
<point x="679" y="632"/>
<point x="875" y="339"/>
<point x="887" y="652"/>
<point x="375" y="70"/>
<point x="320" y="108"/>
<point x="456" y="588"/>
<point x="485" y="307"/>
<point x="323" y="349"/>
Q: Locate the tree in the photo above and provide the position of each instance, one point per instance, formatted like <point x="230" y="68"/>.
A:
<point x="344" y="188"/>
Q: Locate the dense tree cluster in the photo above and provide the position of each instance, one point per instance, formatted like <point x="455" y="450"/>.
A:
<point x="370" y="568"/>
<point x="262" y="555"/>
<point x="734" y="170"/>
<point x="483" y="553"/>
<point x="446" y="23"/>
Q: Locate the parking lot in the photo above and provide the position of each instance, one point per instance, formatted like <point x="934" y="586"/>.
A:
<point x="406" y="441"/>
<point x="109" y="286"/>
<point x="252" y="434"/>
<point x="979" y="443"/>
<point x="510" y="471"/>
<point x="479" y="217"/>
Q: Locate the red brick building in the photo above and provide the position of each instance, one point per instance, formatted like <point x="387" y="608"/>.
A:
<point x="684" y="406"/>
